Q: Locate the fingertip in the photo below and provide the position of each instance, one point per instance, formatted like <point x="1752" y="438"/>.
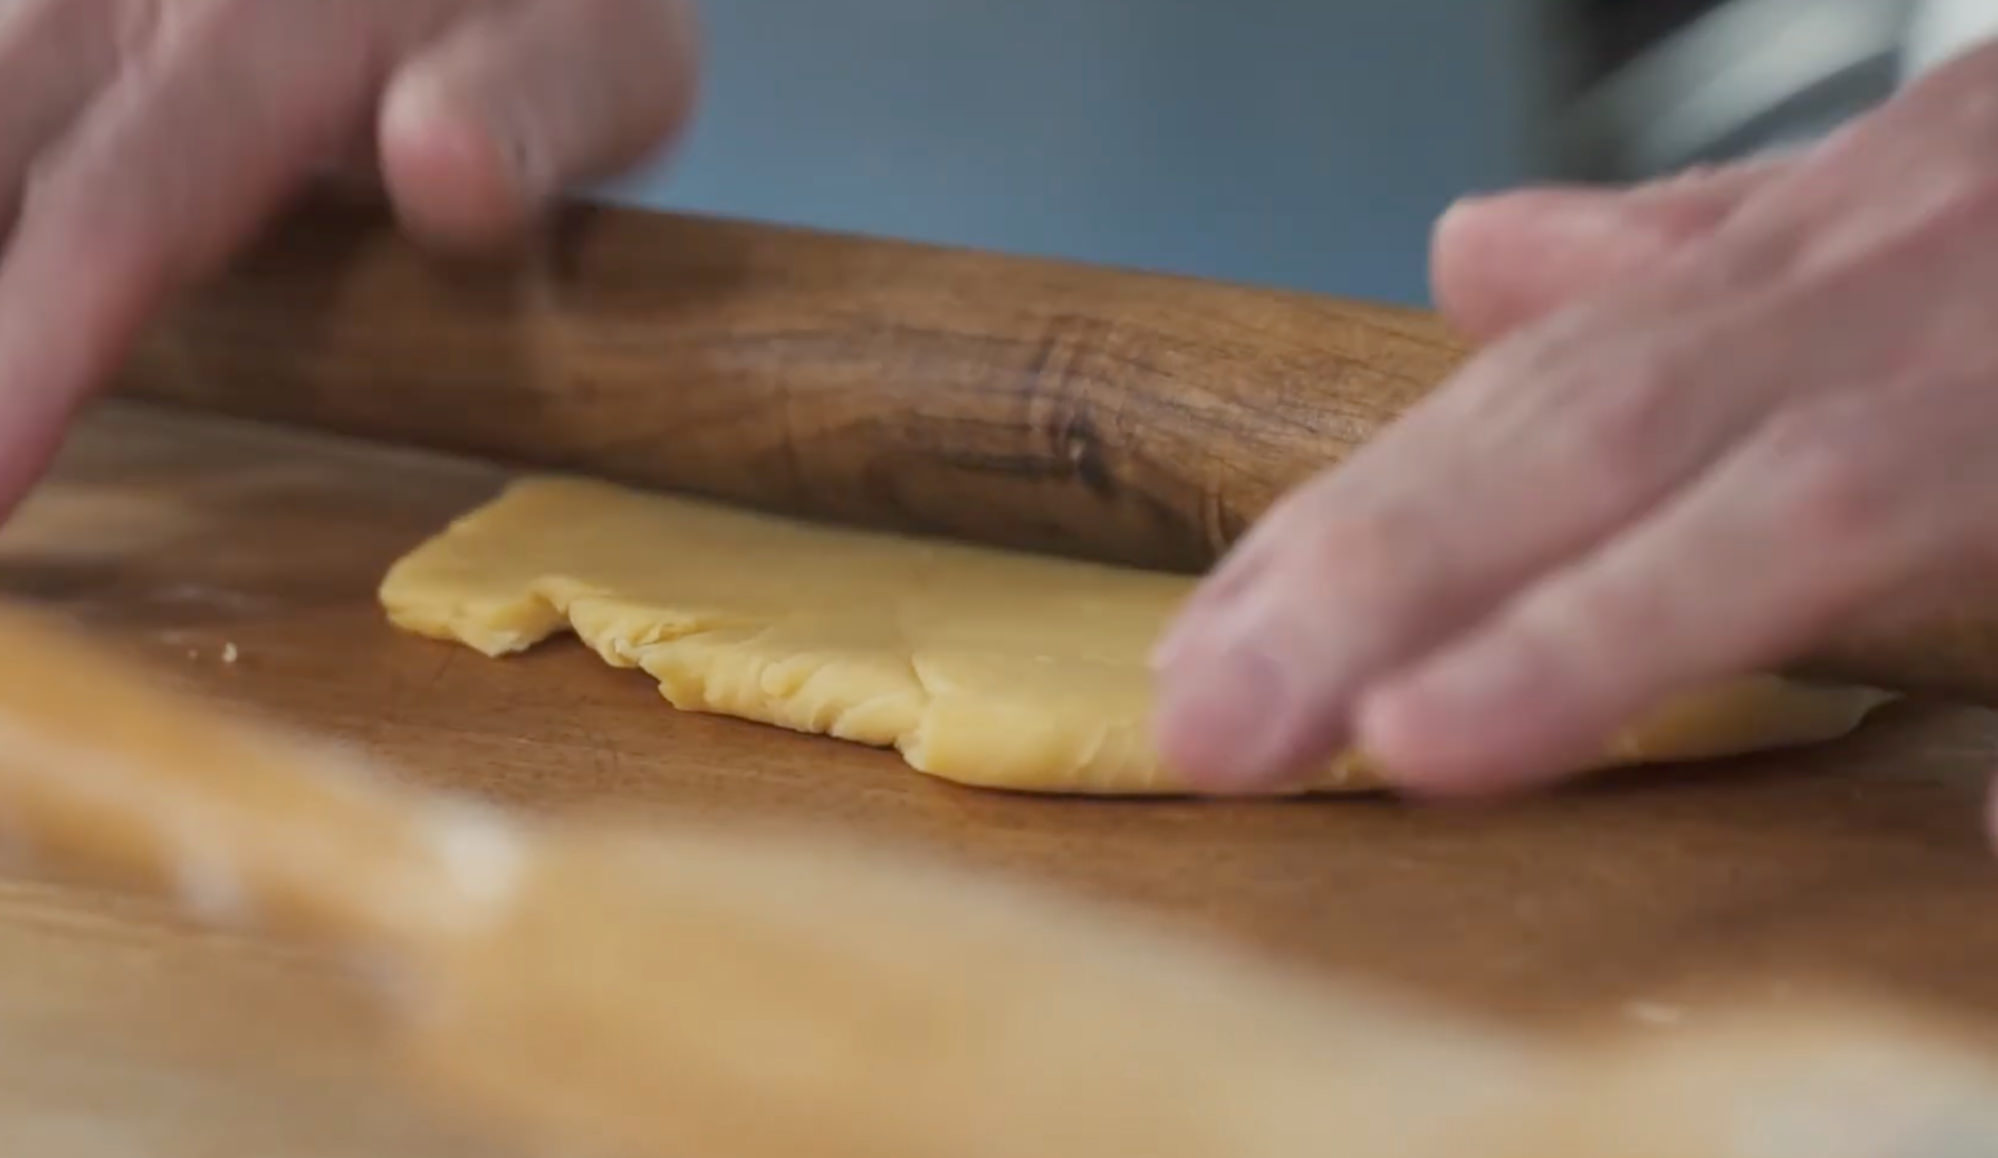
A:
<point x="455" y="180"/>
<point x="1201" y="727"/>
<point x="496" y="121"/>
<point x="1476" y="724"/>
<point x="1462" y="219"/>
<point x="1466" y="246"/>
<point x="1501" y="262"/>
<point x="1419" y="755"/>
<point x="1229" y="723"/>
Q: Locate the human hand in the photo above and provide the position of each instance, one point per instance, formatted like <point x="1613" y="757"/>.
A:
<point x="1719" y="422"/>
<point x="143" y="141"/>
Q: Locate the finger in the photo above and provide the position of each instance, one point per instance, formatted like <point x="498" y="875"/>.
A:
<point x="1827" y="515"/>
<point x="1546" y="444"/>
<point x="1498" y="263"/>
<point x="1415" y="537"/>
<point x="482" y="131"/>
<point x="53" y="55"/>
<point x="166" y="172"/>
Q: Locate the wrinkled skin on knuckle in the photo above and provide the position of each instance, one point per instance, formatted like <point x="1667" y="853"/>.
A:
<point x="1574" y="361"/>
<point x="1603" y="437"/>
<point x="1925" y="165"/>
<point x="1559" y="631"/>
<point x="1863" y="539"/>
<point x="1596" y="625"/>
<point x="1619" y="416"/>
<point x="1833" y="482"/>
<point x="1350" y="558"/>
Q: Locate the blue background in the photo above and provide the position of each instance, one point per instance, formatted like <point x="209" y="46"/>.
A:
<point x="1306" y="143"/>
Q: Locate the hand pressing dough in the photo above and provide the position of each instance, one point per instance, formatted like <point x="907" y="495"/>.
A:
<point x="981" y="666"/>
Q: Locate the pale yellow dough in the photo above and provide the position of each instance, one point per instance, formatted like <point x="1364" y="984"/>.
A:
<point x="980" y="666"/>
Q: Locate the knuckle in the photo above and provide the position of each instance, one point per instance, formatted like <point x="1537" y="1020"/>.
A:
<point x="1356" y="555"/>
<point x="1611" y="429"/>
<point x="1620" y="417"/>
<point x="1577" y="634"/>
<point x="1832" y="482"/>
<point x="1555" y="633"/>
<point x="1608" y="393"/>
<point x="1597" y="611"/>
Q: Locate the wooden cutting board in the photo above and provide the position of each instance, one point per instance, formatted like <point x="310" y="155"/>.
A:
<point x="241" y="561"/>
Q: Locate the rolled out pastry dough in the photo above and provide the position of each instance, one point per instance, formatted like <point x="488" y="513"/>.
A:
<point x="980" y="666"/>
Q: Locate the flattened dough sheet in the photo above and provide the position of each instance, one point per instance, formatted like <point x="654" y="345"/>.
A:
<point x="981" y="666"/>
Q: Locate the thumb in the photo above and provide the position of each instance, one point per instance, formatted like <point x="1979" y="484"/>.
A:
<point x="1500" y="262"/>
<point x="499" y="118"/>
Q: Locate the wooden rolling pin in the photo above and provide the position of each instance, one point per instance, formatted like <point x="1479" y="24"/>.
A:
<point x="1117" y="416"/>
<point x="781" y="995"/>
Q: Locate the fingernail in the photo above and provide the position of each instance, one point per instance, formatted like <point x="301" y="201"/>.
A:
<point x="479" y="159"/>
<point x="1222" y="723"/>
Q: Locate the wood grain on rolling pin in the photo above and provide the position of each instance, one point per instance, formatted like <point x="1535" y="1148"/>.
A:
<point x="1111" y="415"/>
<point x="1051" y="407"/>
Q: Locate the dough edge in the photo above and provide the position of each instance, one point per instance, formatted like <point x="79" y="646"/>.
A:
<point x="1736" y="717"/>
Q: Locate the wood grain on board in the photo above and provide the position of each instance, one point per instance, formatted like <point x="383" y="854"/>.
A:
<point x="240" y="561"/>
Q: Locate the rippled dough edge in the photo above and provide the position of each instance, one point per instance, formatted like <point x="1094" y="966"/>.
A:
<point x="980" y="666"/>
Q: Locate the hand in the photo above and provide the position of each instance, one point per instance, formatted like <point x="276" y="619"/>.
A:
<point x="143" y="141"/>
<point x="1719" y="422"/>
